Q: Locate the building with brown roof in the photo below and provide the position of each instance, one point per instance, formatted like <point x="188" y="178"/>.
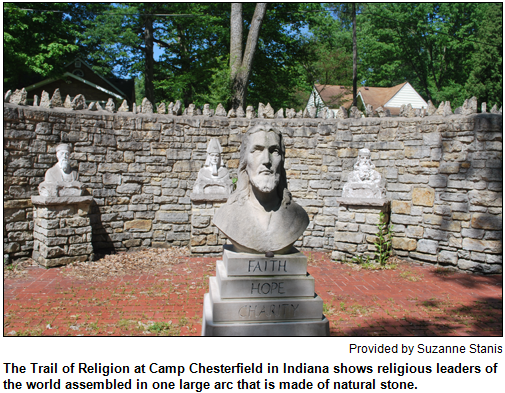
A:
<point x="81" y="79"/>
<point x="392" y="98"/>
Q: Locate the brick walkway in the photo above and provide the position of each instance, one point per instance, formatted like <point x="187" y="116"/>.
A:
<point x="411" y="300"/>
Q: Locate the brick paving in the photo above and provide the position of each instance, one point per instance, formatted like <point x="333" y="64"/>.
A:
<point x="411" y="300"/>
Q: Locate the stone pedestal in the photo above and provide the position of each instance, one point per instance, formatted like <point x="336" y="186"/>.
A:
<point x="62" y="230"/>
<point x="205" y="237"/>
<point x="356" y="226"/>
<point x="254" y="295"/>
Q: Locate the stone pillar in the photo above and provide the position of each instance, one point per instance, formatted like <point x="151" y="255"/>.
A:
<point x="205" y="237"/>
<point x="62" y="230"/>
<point x="356" y="226"/>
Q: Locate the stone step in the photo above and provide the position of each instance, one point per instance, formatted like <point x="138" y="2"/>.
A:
<point x="317" y="327"/>
<point x="244" y="264"/>
<point x="258" y="309"/>
<point x="263" y="286"/>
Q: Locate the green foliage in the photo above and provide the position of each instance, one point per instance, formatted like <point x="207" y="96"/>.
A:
<point x="447" y="51"/>
<point x="383" y="243"/>
<point x="194" y="48"/>
<point x="114" y="39"/>
<point x="276" y="74"/>
<point x="36" y="42"/>
<point x="486" y="76"/>
<point x="326" y="55"/>
<point x="140" y="90"/>
<point x="165" y="328"/>
<point x="360" y="260"/>
<point x="428" y="44"/>
<point x="220" y="86"/>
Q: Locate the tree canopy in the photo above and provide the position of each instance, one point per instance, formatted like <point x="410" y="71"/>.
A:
<point x="447" y="51"/>
<point x="36" y="42"/>
<point x="431" y="45"/>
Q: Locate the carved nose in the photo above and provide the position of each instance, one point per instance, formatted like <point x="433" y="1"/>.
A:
<point x="265" y="157"/>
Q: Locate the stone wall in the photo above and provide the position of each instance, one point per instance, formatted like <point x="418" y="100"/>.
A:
<point x="443" y="176"/>
<point x="356" y="227"/>
<point x="205" y="237"/>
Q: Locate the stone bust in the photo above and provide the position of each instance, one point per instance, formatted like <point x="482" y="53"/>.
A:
<point x="61" y="179"/>
<point x="364" y="181"/>
<point x="260" y="216"/>
<point x="214" y="177"/>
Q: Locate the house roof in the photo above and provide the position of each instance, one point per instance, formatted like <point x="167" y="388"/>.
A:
<point x="116" y="87"/>
<point x="375" y="96"/>
<point x="108" y="83"/>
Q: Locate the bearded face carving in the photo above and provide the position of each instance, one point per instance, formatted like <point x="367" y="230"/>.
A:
<point x="364" y="181"/>
<point x="61" y="179"/>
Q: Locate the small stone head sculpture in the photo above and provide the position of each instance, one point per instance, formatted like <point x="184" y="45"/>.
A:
<point x="213" y="160"/>
<point x="364" y="165"/>
<point x="63" y="155"/>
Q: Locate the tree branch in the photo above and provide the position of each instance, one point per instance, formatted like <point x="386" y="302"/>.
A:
<point x="164" y="44"/>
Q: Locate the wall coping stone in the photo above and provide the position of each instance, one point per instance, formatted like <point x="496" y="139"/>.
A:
<point x="208" y="197"/>
<point x="363" y="201"/>
<point x="434" y="119"/>
<point x="66" y="200"/>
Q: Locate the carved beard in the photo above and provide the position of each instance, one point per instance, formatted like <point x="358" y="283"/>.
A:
<point x="365" y="172"/>
<point x="265" y="183"/>
<point x="214" y="169"/>
<point x="65" y="166"/>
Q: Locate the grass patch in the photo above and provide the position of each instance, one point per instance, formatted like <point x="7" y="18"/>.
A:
<point x="329" y="308"/>
<point x="164" y="328"/>
<point x="362" y="262"/>
<point x="359" y="310"/>
<point x="411" y="276"/>
<point x="29" y="332"/>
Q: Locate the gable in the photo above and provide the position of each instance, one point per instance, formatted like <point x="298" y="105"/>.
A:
<point x="81" y="79"/>
<point x="71" y="86"/>
<point x="407" y="95"/>
<point x="81" y="69"/>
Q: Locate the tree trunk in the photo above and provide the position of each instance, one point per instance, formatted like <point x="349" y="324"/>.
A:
<point x="236" y="25"/>
<point x="149" y="55"/>
<point x="240" y="74"/>
<point x="354" y="58"/>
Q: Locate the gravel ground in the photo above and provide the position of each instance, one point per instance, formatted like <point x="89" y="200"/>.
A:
<point x="115" y="265"/>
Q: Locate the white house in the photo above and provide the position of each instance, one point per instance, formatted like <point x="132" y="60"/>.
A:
<point x="391" y="98"/>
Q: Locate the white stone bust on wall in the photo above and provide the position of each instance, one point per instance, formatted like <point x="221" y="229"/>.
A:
<point x="214" y="177"/>
<point x="364" y="181"/>
<point x="61" y="179"/>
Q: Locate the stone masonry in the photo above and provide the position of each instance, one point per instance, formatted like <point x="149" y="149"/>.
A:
<point x="356" y="227"/>
<point x="443" y="176"/>
<point x="205" y="237"/>
<point x="62" y="230"/>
